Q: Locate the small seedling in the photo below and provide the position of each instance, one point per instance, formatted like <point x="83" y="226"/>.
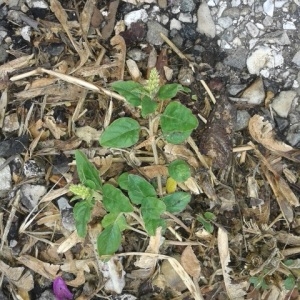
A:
<point x="207" y="221"/>
<point x="135" y="196"/>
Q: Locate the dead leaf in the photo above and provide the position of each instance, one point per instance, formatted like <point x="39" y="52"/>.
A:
<point x="47" y="270"/>
<point x="88" y="134"/>
<point x="14" y="275"/>
<point x="15" y="64"/>
<point x="262" y="131"/>
<point x="104" y="163"/>
<point x="234" y="291"/>
<point x="57" y="131"/>
<point x="190" y="262"/>
<point x="216" y="139"/>
<point x="110" y="19"/>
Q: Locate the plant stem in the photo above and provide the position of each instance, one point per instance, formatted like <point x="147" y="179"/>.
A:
<point x="152" y="132"/>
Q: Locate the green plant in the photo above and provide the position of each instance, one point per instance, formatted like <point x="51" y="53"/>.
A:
<point x="135" y="196"/>
<point x="259" y="282"/>
<point x="207" y="221"/>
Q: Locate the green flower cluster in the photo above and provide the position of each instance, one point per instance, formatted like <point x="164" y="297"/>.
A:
<point x="153" y="83"/>
<point x="82" y="191"/>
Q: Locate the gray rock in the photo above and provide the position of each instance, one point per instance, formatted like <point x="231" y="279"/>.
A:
<point x="67" y="216"/>
<point x="136" y="54"/>
<point x="153" y="34"/>
<point x="47" y="295"/>
<point x="225" y="22"/>
<point x="11" y="123"/>
<point x="205" y="24"/>
<point x="296" y="59"/>
<point x="31" y="194"/>
<point x="252" y="29"/>
<point x="264" y="57"/>
<point x="283" y="102"/>
<point x="186" y="76"/>
<point x="14" y="146"/>
<point x="234" y="89"/>
<point x="187" y="5"/>
<point x="278" y="37"/>
<point x="135" y="16"/>
<point x="33" y="169"/>
<point x="293" y="135"/>
<point x="237" y="59"/>
<point x="5" y="179"/>
<point x="3" y="54"/>
<point x="255" y="93"/>
<point x="242" y="119"/>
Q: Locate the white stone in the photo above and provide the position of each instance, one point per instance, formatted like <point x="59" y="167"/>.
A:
<point x="31" y="194"/>
<point x="260" y="26"/>
<point x="252" y="29"/>
<point x="263" y="57"/>
<point x="297" y="2"/>
<point x="296" y="59"/>
<point x="268" y="7"/>
<point x="26" y="33"/>
<point x="37" y="4"/>
<point x="212" y="2"/>
<point x="11" y="123"/>
<point x="185" y="18"/>
<point x="279" y="4"/>
<point x="164" y="19"/>
<point x="205" y="23"/>
<point x="235" y="3"/>
<point x="175" y="9"/>
<point x="255" y="93"/>
<point x="5" y="179"/>
<point x="135" y="16"/>
<point x="289" y="25"/>
<point x="175" y="24"/>
<point x="225" y="22"/>
<point x="283" y="102"/>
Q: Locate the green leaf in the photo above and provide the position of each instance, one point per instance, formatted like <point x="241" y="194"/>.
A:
<point x="130" y="90"/>
<point x="258" y="282"/>
<point x="152" y="224"/>
<point x="123" y="181"/>
<point x="289" y="282"/>
<point x="176" y="202"/>
<point x="148" y="106"/>
<point x="208" y="226"/>
<point x="121" y="133"/>
<point x="139" y="189"/>
<point x="82" y="214"/>
<point x="114" y="200"/>
<point x="151" y="210"/>
<point x="109" y="240"/>
<point x="114" y="218"/>
<point x="179" y="170"/>
<point x="177" y="123"/>
<point x="87" y="172"/>
<point x="169" y="91"/>
<point x="209" y="216"/>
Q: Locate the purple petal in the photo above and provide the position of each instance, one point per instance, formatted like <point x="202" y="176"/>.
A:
<point x="61" y="290"/>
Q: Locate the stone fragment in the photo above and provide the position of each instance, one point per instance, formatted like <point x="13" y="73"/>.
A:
<point x="66" y="211"/>
<point x="283" y="102"/>
<point x="242" y="119"/>
<point x="263" y="57"/>
<point x="268" y="7"/>
<point x="252" y="29"/>
<point x="289" y="25"/>
<point x="11" y="123"/>
<point x="32" y="169"/>
<point x="14" y="146"/>
<point x="135" y="16"/>
<point x="175" y="24"/>
<point x="296" y="59"/>
<point x="186" y="76"/>
<point x="185" y="18"/>
<point x="293" y="136"/>
<point x="255" y="93"/>
<point x="187" y="5"/>
<point x="234" y="89"/>
<point x="225" y="22"/>
<point x="205" y="23"/>
<point x="5" y="179"/>
<point x="278" y="37"/>
<point x="136" y="54"/>
<point x="3" y="54"/>
<point x="153" y="34"/>
<point x="31" y="194"/>
<point x="237" y="59"/>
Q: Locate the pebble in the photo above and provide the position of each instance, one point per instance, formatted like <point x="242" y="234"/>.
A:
<point x="11" y="123"/>
<point x="32" y="169"/>
<point x="234" y="89"/>
<point x="268" y="7"/>
<point x="66" y="210"/>
<point x="296" y="59"/>
<point x="31" y="194"/>
<point x="5" y="179"/>
<point x="3" y="54"/>
<point x="135" y="16"/>
<point x="14" y="146"/>
<point x="242" y="120"/>
<point x="255" y="93"/>
<point x="185" y="18"/>
<point x="153" y="34"/>
<point x="252" y="29"/>
<point x="186" y="76"/>
<point x="175" y="24"/>
<point x="283" y="102"/>
<point x="263" y="57"/>
<point x="225" y="22"/>
<point x="237" y="59"/>
<point x="136" y="54"/>
<point x="205" y="23"/>
<point x="187" y="5"/>
<point x="293" y="136"/>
